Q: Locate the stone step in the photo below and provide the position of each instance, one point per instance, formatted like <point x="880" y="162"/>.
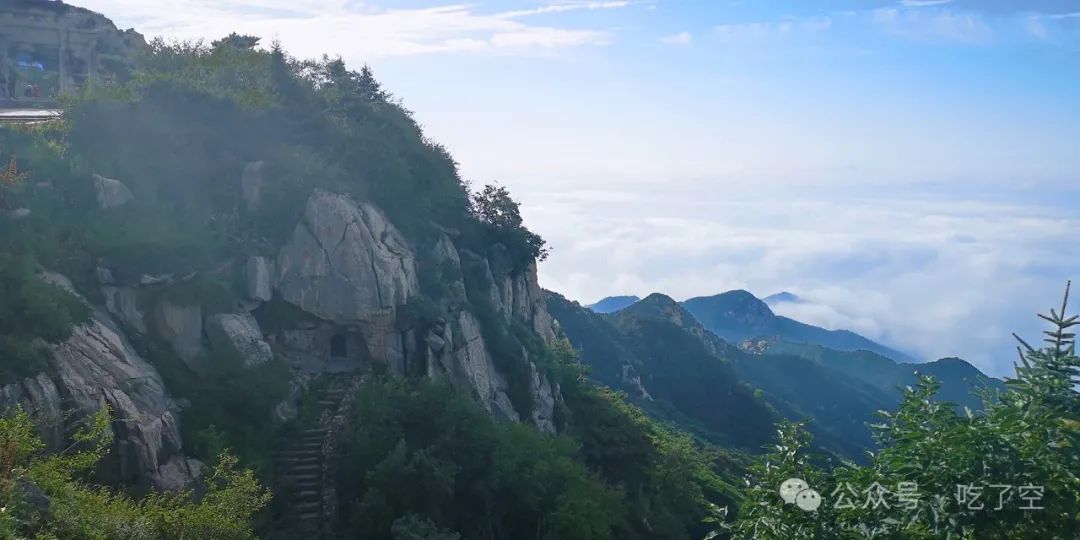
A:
<point x="297" y="460"/>
<point x="304" y="467"/>
<point x="301" y="478"/>
<point x="308" y="507"/>
<point x="309" y="453"/>
<point x="315" y="431"/>
<point x="316" y="473"/>
<point x="307" y="495"/>
<point x="298" y="446"/>
<point x="308" y="522"/>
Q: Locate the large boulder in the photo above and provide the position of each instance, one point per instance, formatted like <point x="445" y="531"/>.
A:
<point x="238" y="334"/>
<point x="345" y="261"/>
<point x="111" y="193"/>
<point x="181" y="327"/>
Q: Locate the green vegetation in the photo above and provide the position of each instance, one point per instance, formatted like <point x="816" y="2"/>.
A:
<point x="45" y="496"/>
<point x="500" y="218"/>
<point x="1021" y="451"/>
<point x="423" y="456"/>
<point x="689" y="386"/>
<point x="230" y="408"/>
<point x="30" y="308"/>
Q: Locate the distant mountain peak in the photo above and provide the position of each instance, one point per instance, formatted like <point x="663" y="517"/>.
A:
<point x="658" y="305"/>
<point x="737" y="307"/>
<point x="612" y="304"/>
<point x="782" y="297"/>
<point x="737" y="316"/>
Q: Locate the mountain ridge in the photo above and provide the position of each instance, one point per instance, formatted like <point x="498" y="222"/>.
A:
<point x="738" y="315"/>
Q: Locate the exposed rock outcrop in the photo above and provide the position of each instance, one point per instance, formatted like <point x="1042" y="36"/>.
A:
<point x="180" y="327"/>
<point x="111" y="193"/>
<point x="95" y="367"/>
<point x="544" y="397"/>
<point x="123" y="303"/>
<point x="259" y="278"/>
<point x="238" y="334"/>
<point x="446" y="257"/>
<point x="40" y="399"/>
<point x="345" y="261"/>
<point x="474" y="366"/>
<point x="251" y="185"/>
<point x="515" y="292"/>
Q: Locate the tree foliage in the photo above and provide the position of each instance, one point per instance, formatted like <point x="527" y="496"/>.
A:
<point x="1012" y="471"/>
<point x="500" y="216"/>
<point x="44" y="496"/>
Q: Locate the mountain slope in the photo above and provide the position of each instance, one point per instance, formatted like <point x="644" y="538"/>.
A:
<point x="959" y="379"/>
<point x="612" y="304"/>
<point x="672" y="373"/>
<point x="648" y="349"/>
<point x="737" y="316"/>
<point x="673" y="367"/>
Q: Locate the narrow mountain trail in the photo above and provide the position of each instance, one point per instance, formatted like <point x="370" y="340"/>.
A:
<point x="307" y="466"/>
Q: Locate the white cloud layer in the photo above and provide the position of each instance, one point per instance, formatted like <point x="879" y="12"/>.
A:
<point x="936" y="277"/>
<point x="682" y="38"/>
<point x="310" y="28"/>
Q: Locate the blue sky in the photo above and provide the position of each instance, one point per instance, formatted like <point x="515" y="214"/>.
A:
<point x="909" y="166"/>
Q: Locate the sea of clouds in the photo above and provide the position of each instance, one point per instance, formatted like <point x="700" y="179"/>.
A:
<point x="919" y="268"/>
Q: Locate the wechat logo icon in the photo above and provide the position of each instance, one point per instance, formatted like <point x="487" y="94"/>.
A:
<point x="796" y="491"/>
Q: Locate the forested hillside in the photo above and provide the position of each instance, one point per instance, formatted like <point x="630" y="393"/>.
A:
<point x="244" y="295"/>
<point x="237" y="257"/>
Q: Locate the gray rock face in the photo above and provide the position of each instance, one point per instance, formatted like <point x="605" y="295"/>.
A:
<point x="445" y="254"/>
<point x="177" y="473"/>
<point x="251" y="185"/>
<point x="123" y="303"/>
<point x="543" y="414"/>
<point x="516" y="293"/>
<point x="40" y="399"/>
<point x="259" y="277"/>
<point x="97" y="367"/>
<point x="238" y="334"/>
<point x="345" y="261"/>
<point x="111" y="193"/>
<point x="104" y="275"/>
<point x="474" y="366"/>
<point x="181" y="327"/>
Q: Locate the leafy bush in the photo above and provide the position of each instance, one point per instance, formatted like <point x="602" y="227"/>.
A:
<point x="78" y="510"/>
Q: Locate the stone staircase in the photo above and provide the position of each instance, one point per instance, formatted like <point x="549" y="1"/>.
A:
<point x="307" y="466"/>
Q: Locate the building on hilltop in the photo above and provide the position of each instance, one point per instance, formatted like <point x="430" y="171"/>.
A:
<point x="48" y="48"/>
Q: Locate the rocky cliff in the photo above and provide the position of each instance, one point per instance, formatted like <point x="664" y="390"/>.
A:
<point x="347" y="269"/>
<point x="97" y="367"/>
